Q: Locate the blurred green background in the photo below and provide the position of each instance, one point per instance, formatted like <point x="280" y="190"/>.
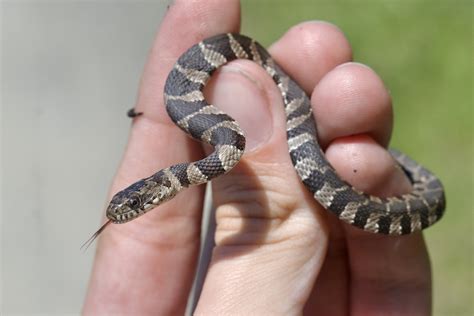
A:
<point x="423" y="50"/>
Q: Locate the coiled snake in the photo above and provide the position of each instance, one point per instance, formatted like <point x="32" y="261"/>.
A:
<point x="187" y="108"/>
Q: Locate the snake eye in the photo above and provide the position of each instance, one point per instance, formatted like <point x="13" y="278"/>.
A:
<point x="134" y="202"/>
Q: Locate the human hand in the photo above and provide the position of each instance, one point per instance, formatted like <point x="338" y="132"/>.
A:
<point x="277" y="251"/>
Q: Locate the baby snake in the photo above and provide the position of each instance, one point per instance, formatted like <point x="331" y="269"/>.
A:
<point x="188" y="109"/>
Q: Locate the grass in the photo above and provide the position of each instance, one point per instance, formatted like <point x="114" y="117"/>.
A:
<point x="423" y="50"/>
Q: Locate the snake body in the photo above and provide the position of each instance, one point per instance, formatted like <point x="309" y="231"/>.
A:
<point x="187" y="108"/>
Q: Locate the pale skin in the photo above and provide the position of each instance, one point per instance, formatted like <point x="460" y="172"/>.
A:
<point x="277" y="251"/>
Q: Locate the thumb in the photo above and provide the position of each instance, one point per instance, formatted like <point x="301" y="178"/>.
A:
<point x="270" y="240"/>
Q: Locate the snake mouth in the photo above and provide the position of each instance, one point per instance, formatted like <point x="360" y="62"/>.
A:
<point x="123" y="217"/>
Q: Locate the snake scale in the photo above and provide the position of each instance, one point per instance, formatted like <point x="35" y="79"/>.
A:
<point x="189" y="110"/>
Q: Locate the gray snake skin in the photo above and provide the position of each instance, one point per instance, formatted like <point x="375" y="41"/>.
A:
<point x="187" y="107"/>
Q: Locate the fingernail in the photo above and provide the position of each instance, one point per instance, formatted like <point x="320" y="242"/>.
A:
<point x="235" y="91"/>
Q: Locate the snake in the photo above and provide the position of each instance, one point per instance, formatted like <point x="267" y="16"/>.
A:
<point x="188" y="109"/>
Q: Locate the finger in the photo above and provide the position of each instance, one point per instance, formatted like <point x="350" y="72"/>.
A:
<point x="269" y="241"/>
<point x="146" y="266"/>
<point x="379" y="266"/>
<point x="330" y="295"/>
<point x="320" y="47"/>
<point x="361" y="106"/>
<point x="387" y="273"/>
<point x="349" y="100"/>
<point x="309" y="50"/>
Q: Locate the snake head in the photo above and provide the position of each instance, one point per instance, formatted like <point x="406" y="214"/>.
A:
<point x="139" y="198"/>
<point x="127" y="204"/>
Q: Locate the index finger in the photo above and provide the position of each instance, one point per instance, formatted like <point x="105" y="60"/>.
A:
<point x="147" y="265"/>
